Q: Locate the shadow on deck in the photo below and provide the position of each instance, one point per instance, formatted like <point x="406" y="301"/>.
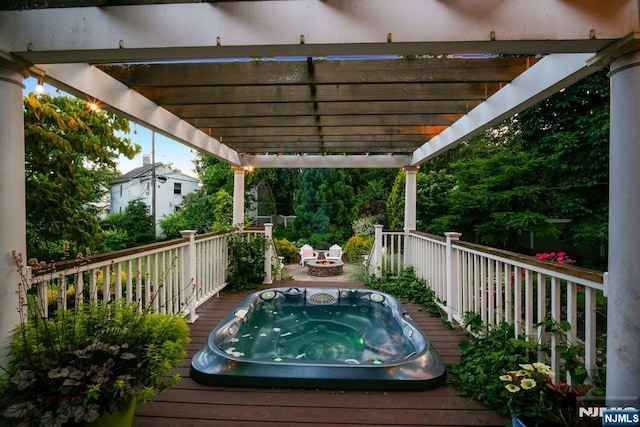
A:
<point x="191" y="404"/>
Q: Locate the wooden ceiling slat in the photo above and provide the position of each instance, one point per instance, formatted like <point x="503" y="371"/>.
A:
<point x="325" y="121"/>
<point x="323" y="147"/>
<point x="325" y="72"/>
<point x="330" y="108"/>
<point x="370" y="139"/>
<point x="334" y="130"/>
<point x="324" y="93"/>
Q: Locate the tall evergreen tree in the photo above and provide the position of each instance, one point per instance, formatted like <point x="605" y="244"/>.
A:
<point x="324" y="205"/>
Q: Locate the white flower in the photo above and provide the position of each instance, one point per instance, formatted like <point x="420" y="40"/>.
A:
<point x="528" y="383"/>
<point x="522" y="373"/>
<point x="541" y="367"/>
<point x="512" y="388"/>
<point x="505" y="377"/>
<point x="527" y="367"/>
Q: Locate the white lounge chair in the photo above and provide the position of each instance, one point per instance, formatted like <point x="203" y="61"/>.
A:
<point x="307" y="254"/>
<point x="335" y="253"/>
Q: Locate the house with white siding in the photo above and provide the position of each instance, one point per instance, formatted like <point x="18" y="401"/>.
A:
<point x="171" y="187"/>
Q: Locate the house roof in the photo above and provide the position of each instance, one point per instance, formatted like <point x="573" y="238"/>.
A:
<point x="145" y="170"/>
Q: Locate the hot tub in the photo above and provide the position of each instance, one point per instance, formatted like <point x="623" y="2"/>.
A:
<point x="319" y="338"/>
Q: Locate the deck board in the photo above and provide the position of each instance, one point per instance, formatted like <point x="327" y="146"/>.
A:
<point x="194" y="405"/>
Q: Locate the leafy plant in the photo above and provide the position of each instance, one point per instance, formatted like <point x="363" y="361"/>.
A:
<point x="286" y="249"/>
<point x="407" y="287"/>
<point x="485" y="373"/>
<point x="357" y="246"/>
<point x="483" y="360"/>
<point x="71" y="154"/>
<point x="472" y="321"/>
<point x="134" y="226"/>
<point x="246" y="261"/>
<point x="86" y="361"/>
<point x="365" y="224"/>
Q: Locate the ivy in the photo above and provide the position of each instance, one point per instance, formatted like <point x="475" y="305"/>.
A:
<point x="407" y="287"/>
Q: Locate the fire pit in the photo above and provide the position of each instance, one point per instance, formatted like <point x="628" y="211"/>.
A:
<point x="324" y="268"/>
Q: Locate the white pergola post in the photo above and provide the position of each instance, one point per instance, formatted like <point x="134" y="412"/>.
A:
<point x="410" y="199"/>
<point x="377" y="250"/>
<point x="12" y="200"/>
<point x="623" y="315"/>
<point x="268" y="254"/>
<point x="238" y="197"/>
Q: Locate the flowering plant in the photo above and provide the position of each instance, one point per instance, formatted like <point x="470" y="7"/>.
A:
<point x="559" y="257"/>
<point x="533" y="396"/>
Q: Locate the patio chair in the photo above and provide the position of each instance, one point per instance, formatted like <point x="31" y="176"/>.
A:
<point x="335" y="253"/>
<point x="307" y="254"/>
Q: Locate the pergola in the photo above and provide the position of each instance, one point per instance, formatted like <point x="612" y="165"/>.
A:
<point x="335" y="84"/>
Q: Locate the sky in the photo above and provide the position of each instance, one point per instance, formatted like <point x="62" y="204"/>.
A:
<point x="167" y="150"/>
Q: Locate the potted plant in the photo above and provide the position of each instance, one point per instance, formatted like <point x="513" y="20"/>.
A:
<point x="534" y="399"/>
<point x="83" y="363"/>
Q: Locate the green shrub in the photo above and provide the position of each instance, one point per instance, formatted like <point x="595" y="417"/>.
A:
<point x="365" y="224"/>
<point x="84" y="362"/>
<point x="115" y="239"/>
<point x="246" y="261"/>
<point x="407" y="287"/>
<point x="286" y="249"/>
<point x="357" y="246"/>
<point x="282" y="232"/>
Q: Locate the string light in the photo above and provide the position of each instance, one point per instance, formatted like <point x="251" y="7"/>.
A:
<point x="40" y="86"/>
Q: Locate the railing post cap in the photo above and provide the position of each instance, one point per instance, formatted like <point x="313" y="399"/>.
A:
<point x="453" y="235"/>
<point x="378" y="225"/>
<point x="187" y="233"/>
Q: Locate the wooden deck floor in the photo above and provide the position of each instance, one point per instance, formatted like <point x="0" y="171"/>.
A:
<point x="191" y="404"/>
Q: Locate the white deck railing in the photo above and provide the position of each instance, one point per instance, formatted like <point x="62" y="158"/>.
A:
<point x="170" y="277"/>
<point x="498" y="286"/>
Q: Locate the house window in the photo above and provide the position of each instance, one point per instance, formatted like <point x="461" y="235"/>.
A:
<point x="121" y="191"/>
<point x="177" y="188"/>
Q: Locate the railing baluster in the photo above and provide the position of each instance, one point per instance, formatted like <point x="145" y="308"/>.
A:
<point x="93" y="286"/>
<point x="529" y="303"/>
<point x="590" y="330"/>
<point x="542" y="307"/>
<point x="517" y="301"/>
<point x="555" y="313"/>
<point x="118" y="281"/>
<point x="508" y="293"/>
<point x="500" y="289"/>
<point x="106" y="283"/>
